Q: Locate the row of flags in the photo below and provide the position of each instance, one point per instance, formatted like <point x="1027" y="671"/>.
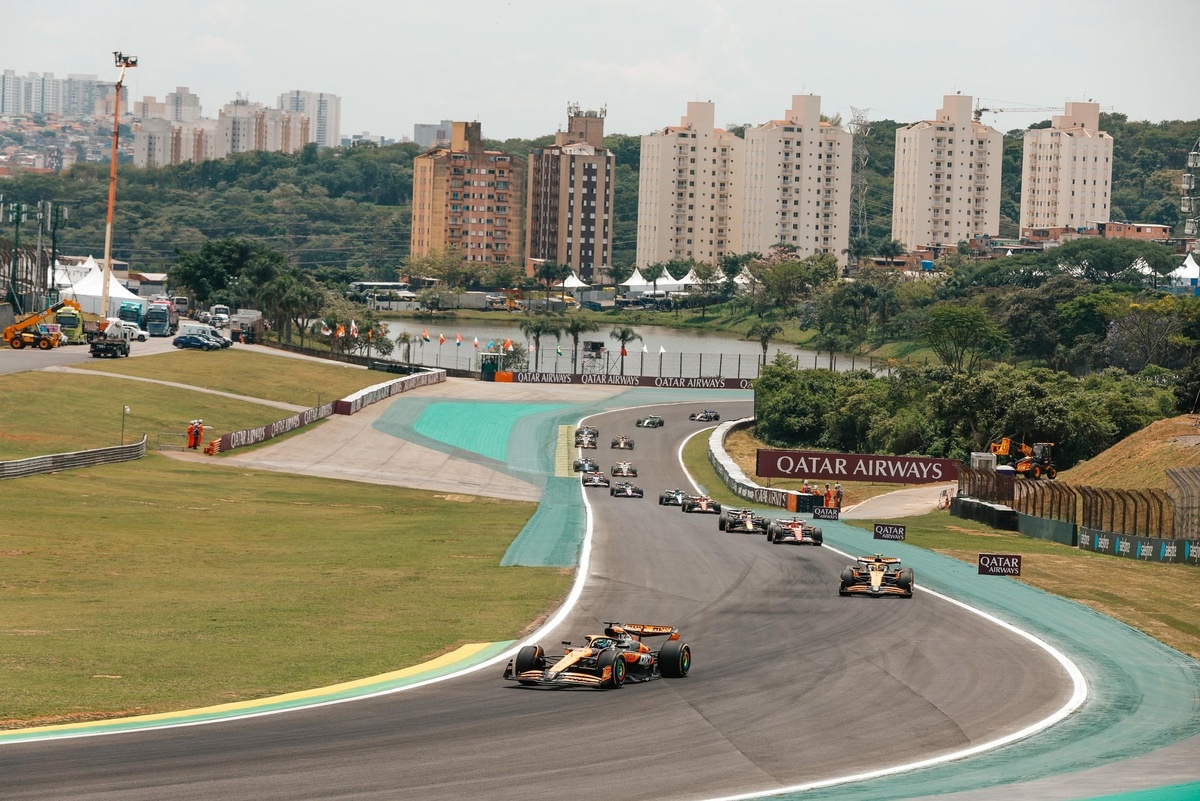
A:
<point x="458" y="340"/>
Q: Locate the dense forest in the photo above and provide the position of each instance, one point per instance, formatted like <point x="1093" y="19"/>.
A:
<point x="345" y="213"/>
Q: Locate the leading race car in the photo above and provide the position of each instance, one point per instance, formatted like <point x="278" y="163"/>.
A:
<point x="623" y="469"/>
<point x="622" y="442"/>
<point x="585" y="465"/>
<point x="700" y="503"/>
<point x="625" y="489"/>
<point x="706" y="416"/>
<point x="594" y="479"/>
<point x="877" y="575"/>
<point x="653" y="421"/>
<point x="794" y="531"/>
<point x="586" y="436"/>
<point x="605" y="661"/>
<point x="671" y="497"/>
<point x="742" y="520"/>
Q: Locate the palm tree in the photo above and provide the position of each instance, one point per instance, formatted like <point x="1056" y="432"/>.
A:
<point x="624" y="334"/>
<point x="652" y="273"/>
<point x="575" y="326"/>
<point x="860" y="248"/>
<point x="764" y="333"/>
<point x="539" y="327"/>
<point x="551" y="272"/>
<point x="890" y="249"/>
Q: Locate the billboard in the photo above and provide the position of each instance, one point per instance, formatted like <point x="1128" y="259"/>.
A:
<point x="825" y="466"/>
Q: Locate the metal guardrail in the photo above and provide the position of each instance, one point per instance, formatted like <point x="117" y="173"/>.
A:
<point x="54" y="462"/>
<point x="733" y="476"/>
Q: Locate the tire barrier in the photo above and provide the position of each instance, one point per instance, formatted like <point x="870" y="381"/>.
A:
<point x="54" y="462"/>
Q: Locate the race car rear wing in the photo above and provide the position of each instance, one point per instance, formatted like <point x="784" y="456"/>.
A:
<point x="646" y="630"/>
<point x="887" y="560"/>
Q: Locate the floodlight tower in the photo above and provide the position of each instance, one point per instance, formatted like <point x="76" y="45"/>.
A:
<point x="860" y="126"/>
<point x="124" y="62"/>
<point x="1189" y="203"/>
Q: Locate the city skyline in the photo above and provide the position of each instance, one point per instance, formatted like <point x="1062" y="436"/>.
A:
<point x="395" y="66"/>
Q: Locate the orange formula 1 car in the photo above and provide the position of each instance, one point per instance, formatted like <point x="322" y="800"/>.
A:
<point x="877" y="575"/>
<point x="605" y="660"/>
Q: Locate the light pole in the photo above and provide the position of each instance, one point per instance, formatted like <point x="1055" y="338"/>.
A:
<point x="124" y="62"/>
<point x="124" y="412"/>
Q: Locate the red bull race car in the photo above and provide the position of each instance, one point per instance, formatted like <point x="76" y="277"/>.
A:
<point x="794" y="531"/>
<point x="605" y="661"/>
<point x="876" y="576"/>
<point x="742" y="520"/>
<point x="623" y="443"/>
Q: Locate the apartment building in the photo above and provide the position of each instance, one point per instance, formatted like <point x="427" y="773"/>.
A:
<point x="42" y="93"/>
<point x="685" y="190"/>
<point x="569" y="218"/>
<point x="947" y="178"/>
<point x="1066" y="171"/>
<point x="241" y="126"/>
<point x="428" y="134"/>
<point x="793" y="179"/>
<point x="469" y="198"/>
<point x="324" y="113"/>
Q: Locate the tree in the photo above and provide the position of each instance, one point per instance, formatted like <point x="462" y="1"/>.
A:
<point x="653" y="272"/>
<point x="577" y="324"/>
<point x="711" y="285"/>
<point x="445" y="265"/>
<point x="764" y="333"/>
<point x="551" y="272"/>
<point x="961" y="335"/>
<point x="860" y="247"/>
<point x="537" y="327"/>
<point x="624" y="334"/>
<point x="890" y="249"/>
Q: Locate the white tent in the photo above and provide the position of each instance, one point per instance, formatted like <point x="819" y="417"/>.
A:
<point x="635" y="282"/>
<point x="666" y="283"/>
<point x="1187" y="272"/>
<point x="573" y="282"/>
<point x="745" y="279"/>
<point x="89" y="292"/>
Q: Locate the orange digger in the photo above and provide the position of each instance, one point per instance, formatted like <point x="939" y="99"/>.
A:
<point x="1035" y="461"/>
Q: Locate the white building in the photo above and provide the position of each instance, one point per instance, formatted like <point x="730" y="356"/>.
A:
<point x="429" y="135"/>
<point x="794" y="179"/>
<point x="685" y="188"/>
<point x="947" y="178"/>
<point x="1066" y="171"/>
<point x="324" y="112"/>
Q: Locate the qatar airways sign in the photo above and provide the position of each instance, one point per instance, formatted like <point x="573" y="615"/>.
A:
<point x="826" y="466"/>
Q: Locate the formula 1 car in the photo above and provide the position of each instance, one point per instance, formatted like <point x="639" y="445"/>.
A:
<point x="700" y="503"/>
<point x="605" y="661"/>
<point x="623" y="469"/>
<point x="671" y="497"/>
<point x="653" y="421"/>
<point x="586" y="437"/>
<point x="794" y="531"/>
<point x="624" y="489"/>
<point x="585" y="465"/>
<point x="706" y="416"/>
<point x="877" y="575"/>
<point x="742" y="520"/>
<point x="622" y="443"/>
<point x="594" y="479"/>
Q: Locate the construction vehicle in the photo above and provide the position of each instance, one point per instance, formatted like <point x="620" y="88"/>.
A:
<point x="38" y="330"/>
<point x="108" y="338"/>
<point x="1036" y="460"/>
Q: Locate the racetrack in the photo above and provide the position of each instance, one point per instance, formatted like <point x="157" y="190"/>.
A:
<point x="790" y="684"/>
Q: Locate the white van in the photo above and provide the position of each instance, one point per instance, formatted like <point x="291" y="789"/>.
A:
<point x="203" y="329"/>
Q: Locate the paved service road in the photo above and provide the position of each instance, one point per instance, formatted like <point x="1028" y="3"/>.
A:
<point x="790" y="683"/>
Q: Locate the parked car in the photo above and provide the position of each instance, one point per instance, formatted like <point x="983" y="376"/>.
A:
<point x="194" y="342"/>
<point x="220" y="320"/>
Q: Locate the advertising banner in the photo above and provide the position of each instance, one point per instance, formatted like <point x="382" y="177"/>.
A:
<point x="887" y="531"/>
<point x="999" y="564"/>
<point x="826" y="466"/>
<point x="826" y="513"/>
<point x="513" y="377"/>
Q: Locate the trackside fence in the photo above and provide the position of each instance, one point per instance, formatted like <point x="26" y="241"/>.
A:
<point x="54" y="462"/>
<point x="735" y="478"/>
<point x="1149" y="524"/>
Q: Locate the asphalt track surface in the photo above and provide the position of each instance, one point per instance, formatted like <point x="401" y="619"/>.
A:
<point x="790" y="684"/>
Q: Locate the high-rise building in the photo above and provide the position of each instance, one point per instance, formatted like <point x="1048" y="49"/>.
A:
<point x="947" y="178"/>
<point x="429" y="135"/>
<point x="794" y="181"/>
<point x="1066" y="171"/>
<point x="469" y="198"/>
<point x="685" y="188"/>
<point x="182" y="105"/>
<point x="324" y="112"/>
<point x="12" y="96"/>
<point x="569" y="220"/>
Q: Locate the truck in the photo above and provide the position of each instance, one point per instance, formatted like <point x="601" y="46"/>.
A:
<point x="70" y="321"/>
<point x="131" y="311"/>
<point x="246" y="326"/>
<point x="108" y="339"/>
<point x="38" y="330"/>
<point x="161" y="318"/>
<point x="182" y="305"/>
<point x="1035" y="461"/>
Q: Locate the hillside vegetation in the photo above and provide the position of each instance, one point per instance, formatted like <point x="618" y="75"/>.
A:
<point x="1140" y="461"/>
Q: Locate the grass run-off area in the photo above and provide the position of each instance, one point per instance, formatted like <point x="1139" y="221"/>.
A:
<point x="1153" y="598"/>
<point x="163" y="584"/>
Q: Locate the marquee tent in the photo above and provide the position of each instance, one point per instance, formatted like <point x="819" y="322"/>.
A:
<point x="573" y="282"/>
<point x="89" y="292"/>
<point x="1188" y="271"/>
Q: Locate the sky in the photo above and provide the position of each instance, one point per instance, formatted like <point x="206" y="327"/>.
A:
<point x="515" y="66"/>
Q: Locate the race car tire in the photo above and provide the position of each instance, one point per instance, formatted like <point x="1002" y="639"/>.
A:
<point x="616" y="660"/>
<point x="818" y="536"/>
<point x="904" y="580"/>
<point x="847" y="580"/>
<point x="612" y="492"/>
<point x="771" y="533"/>
<point x="661" y="501"/>
<point x="685" y="508"/>
<point x="531" y="657"/>
<point x="721" y="522"/>
<point x="717" y="507"/>
<point x="675" y="659"/>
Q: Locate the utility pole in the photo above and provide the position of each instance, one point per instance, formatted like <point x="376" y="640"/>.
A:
<point x="861" y="128"/>
<point x="16" y="212"/>
<point x="58" y="215"/>
<point x="124" y="62"/>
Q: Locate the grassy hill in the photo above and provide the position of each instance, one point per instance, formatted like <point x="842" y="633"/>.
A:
<point x="1140" y="461"/>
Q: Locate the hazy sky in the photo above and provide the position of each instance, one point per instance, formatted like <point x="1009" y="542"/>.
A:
<point x="514" y="66"/>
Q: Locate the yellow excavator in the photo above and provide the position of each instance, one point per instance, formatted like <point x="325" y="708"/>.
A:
<point x="1036" y="460"/>
<point x="38" y="330"/>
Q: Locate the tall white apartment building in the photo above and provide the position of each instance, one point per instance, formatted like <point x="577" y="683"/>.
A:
<point x="1066" y="171"/>
<point x="12" y="98"/>
<point x="685" y="189"/>
<point x="182" y="105"/>
<point x="324" y="112"/>
<point x="794" y="178"/>
<point x="947" y="178"/>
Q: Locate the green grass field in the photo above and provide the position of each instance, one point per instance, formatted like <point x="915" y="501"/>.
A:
<point x="163" y="584"/>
